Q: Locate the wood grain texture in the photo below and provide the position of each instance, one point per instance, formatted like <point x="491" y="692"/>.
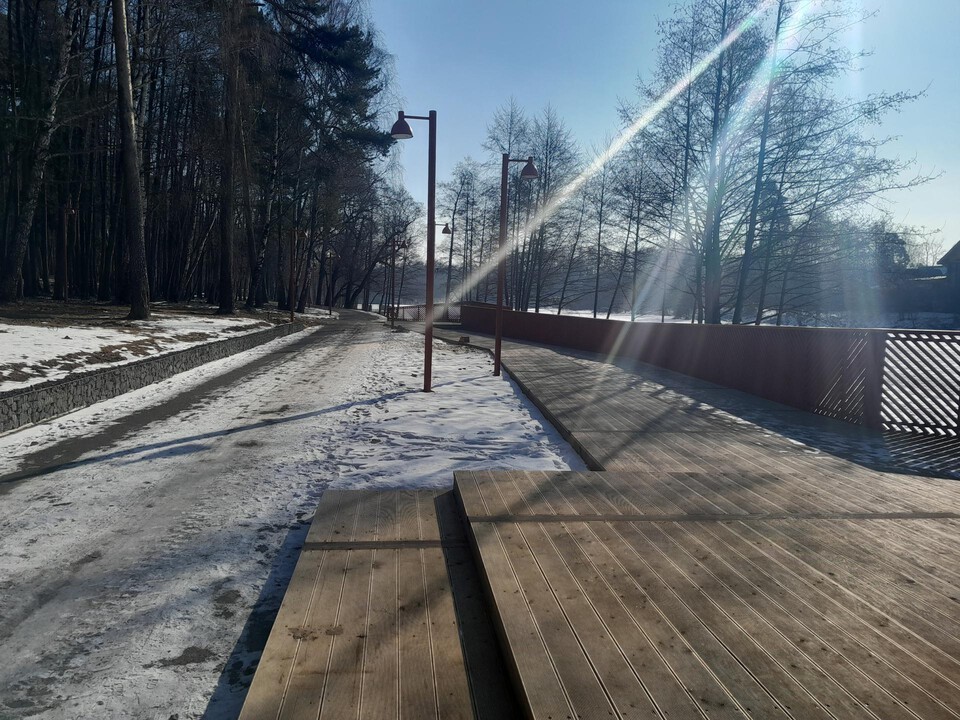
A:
<point x="369" y="627"/>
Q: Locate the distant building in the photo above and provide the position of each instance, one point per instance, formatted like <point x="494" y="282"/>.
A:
<point x="951" y="263"/>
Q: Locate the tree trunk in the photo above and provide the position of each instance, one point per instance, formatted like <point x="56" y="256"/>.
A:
<point x="139" y="289"/>
<point x="747" y="259"/>
<point x="10" y="275"/>
<point x="231" y="68"/>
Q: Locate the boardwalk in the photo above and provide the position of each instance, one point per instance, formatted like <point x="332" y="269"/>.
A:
<point x="726" y="557"/>
<point x="383" y="618"/>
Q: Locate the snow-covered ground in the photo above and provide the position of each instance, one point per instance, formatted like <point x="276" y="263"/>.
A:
<point x="129" y="573"/>
<point x="35" y="353"/>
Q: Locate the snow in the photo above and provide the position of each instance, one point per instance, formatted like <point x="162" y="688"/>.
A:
<point x="129" y="573"/>
<point x="30" y="354"/>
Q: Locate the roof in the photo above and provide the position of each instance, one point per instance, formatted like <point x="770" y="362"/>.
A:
<point x="952" y="256"/>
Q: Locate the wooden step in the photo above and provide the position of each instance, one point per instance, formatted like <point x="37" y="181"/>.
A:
<point x="691" y="597"/>
<point x="383" y="618"/>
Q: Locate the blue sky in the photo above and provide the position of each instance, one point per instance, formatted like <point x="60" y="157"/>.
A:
<point x="464" y="58"/>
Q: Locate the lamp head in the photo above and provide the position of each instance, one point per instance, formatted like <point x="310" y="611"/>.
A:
<point x="401" y="128"/>
<point x="446" y="229"/>
<point x="529" y="171"/>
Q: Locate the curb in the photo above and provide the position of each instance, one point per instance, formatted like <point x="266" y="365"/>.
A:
<point x="590" y="461"/>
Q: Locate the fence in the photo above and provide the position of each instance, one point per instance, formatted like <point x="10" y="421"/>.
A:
<point x="418" y="313"/>
<point x="884" y="379"/>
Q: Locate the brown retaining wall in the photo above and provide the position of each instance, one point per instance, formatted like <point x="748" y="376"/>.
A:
<point x="905" y="380"/>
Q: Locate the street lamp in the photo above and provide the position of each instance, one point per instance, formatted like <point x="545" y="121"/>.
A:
<point x="399" y="243"/>
<point x="529" y="172"/>
<point x="447" y="230"/>
<point x="401" y="131"/>
<point x="330" y="255"/>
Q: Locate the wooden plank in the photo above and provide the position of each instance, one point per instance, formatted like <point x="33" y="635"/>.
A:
<point x="341" y="682"/>
<point x="417" y="681"/>
<point x="766" y="583"/>
<point x="826" y="672"/>
<point x="468" y="493"/>
<point x="541" y="692"/>
<point x="625" y="678"/>
<point x="369" y="628"/>
<point x="679" y="683"/>
<point x="759" y="684"/>
<point x="335" y="518"/>
<point x="387" y="517"/>
<point x="453" y="692"/>
<point x="408" y="515"/>
<point x="762" y="538"/>
<point x="380" y="690"/>
<point x="269" y="686"/>
<point x="305" y="687"/>
<point x="490" y="689"/>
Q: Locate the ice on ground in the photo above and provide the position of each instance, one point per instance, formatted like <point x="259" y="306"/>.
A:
<point x="139" y="580"/>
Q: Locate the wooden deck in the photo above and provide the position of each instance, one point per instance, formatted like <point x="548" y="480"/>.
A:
<point x="369" y="627"/>
<point x="727" y="557"/>
<point x="629" y="595"/>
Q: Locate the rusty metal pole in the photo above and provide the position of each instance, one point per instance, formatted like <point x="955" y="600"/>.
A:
<point x="431" y="251"/>
<point x="293" y="236"/>
<point x="501" y="264"/>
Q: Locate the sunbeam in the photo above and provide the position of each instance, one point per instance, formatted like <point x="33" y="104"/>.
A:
<point x="757" y="88"/>
<point x="618" y="143"/>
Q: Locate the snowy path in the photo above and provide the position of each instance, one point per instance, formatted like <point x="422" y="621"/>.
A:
<point x="147" y="540"/>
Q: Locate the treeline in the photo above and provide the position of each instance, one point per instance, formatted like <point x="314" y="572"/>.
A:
<point x="257" y="142"/>
<point x="752" y="196"/>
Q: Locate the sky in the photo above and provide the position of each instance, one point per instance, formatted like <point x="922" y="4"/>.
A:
<point x="464" y="58"/>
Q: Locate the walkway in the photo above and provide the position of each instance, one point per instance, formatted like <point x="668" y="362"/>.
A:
<point x="719" y="567"/>
<point x="728" y="557"/>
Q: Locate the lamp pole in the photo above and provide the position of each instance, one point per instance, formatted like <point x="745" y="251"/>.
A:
<point x="401" y="131"/>
<point x="529" y="172"/>
<point x="329" y="258"/>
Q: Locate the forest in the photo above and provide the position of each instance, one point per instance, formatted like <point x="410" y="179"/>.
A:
<point x="236" y="153"/>
<point x="754" y="196"/>
<point x="227" y="151"/>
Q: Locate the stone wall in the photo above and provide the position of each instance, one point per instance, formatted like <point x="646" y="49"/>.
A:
<point x="49" y="399"/>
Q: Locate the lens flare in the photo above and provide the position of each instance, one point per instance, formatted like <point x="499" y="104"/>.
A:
<point x="618" y="143"/>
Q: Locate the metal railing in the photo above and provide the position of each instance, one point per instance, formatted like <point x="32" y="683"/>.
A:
<point x="418" y="313"/>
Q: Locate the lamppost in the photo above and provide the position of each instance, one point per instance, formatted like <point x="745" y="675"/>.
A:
<point x="529" y="172"/>
<point x="401" y="131"/>
<point x="331" y="254"/>
<point x="399" y="243"/>
<point x="447" y="230"/>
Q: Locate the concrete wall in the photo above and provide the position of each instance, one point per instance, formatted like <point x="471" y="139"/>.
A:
<point x="46" y="400"/>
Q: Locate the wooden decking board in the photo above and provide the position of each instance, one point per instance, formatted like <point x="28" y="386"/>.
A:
<point x="541" y="692"/>
<point x="749" y="686"/>
<point x="581" y="683"/>
<point x="832" y="590"/>
<point x="837" y="681"/>
<point x="750" y="639"/>
<point x="370" y="628"/>
<point x="879" y="655"/>
<point x="681" y="686"/>
<point x="881" y="591"/>
<point x="621" y="681"/>
<point x="737" y="588"/>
